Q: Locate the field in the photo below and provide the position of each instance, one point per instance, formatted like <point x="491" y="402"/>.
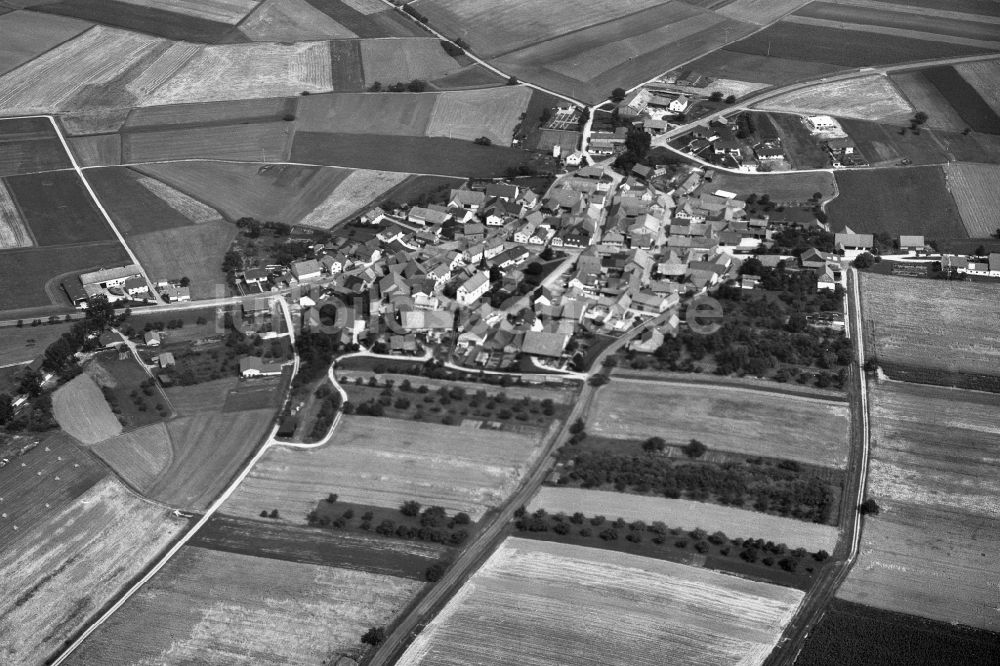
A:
<point x="308" y="545"/>
<point x="247" y="71"/>
<point x="97" y="149"/>
<point x="976" y="189"/>
<point x="121" y="379"/>
<point x="883" y="145"/>
<point x="263" y="142"/>
<point x="28" y="35"/>
<point x="20" y="345"/>
<point x="291" y="21"/>
<point x="228" y="112"/>
<point x="972" y="108"/>
<point x="726" y="418"/>
<point x="880" y="20"/>
<point x="28" y="145"/>
<point x="134" y="208"/>
<point x="367" y="19"/>
<point x="893" y="639"/>
<point x="191" y="209"/>
<point x="32" y="494"/>
<point x="13" y="231"/>
<point x="145" y="16"/>
<point x="221" y="11"/>
<point x="261" y="393"/>
<point x="933" y="332"/>
<point x="928" y="208"/>
<point x="725" y="63"/>
<point x="60" y="572"/>
<point x="364" y="113"/>
<point x="402" y="60"/>
<point x="759" y="12"/>
<point x="411" y="154"/>
<point x="927" y="98"/>
<point x="27" y="275"/>
<point x="802" y="149"/>
<point x="557" y="395"/>
<point x="838" y="47"/>
<point x="81" y="410"/>
<point x="208" y="449"/>
<point x="982" y="76"/>
<point x="282" y="193"/>
<point x="92" y="60"/>
<point x="493" y="113"/>
<point x="357" y="191"/>
<point x="138" y="456"/>
<point x="687" y="515"/>
<point x="545" y="603"/>
<point x="194" y="252"/>
<point x="58" y="209"/>
<point x="780" y="187"/>
<point x="212" y="607"/>
<point x="867" y="98"/>
<point x="384" y="462"/>
<point x="204" y="397"/>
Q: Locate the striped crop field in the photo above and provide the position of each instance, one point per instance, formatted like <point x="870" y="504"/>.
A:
<point x="868" y="98"/>
<point x="976" y="188"/>
<point x="81" y="410"/>
<point x="221" y="11"/>
<point x="190" y="208"/>
<point x="493" y="113"/>
<point x="291" y="21"/>
<point x="358" y="190"/>
<point x="13" y="231"/>
<point x="138" y="456"/>
<point x="64" y="570"/>
<point x="209" y="606"/>
<point x="385" y="462"/>
<point x="983" y="76"/>
<point x="536" y="602"/>
<point x="247" y="71"/>
<point x="687" y="515"/>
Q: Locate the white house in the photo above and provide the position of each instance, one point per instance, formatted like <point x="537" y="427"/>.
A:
<point x="252" y="366"/>
<point x="306" y="270"/>
<point x="473" y="288"/>
<point x="823" y="124"/>
<point x="680" y="104"/>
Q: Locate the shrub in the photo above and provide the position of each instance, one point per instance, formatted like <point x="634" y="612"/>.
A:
<point x="694" y="449"/>
<point x="434" y="572"/>
<point x="374" y="636"/>
<point x="410" y="508"/>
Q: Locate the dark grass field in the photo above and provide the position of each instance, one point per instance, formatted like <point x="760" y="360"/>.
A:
<point x="329" y="547"/>
<point x="29" y="145"/>
<point x="25" y="273"/>
<point x="983" y="148"/>
<point x="984" y="7"/>
<point x="803" y="151"/>
<point x="883" y="144"/>
<point x="263" y="393"/>
<point x="23" y="344"/>
<point x="127" y="376"/>
<point x="144" y="19"/>
<point x="884" y="17"/>
<point x="471" y="76"/>
<point x="201" y="114"/>
<point x="348" y="73"/>
<point x="910" y="200"/>
<point x="389" y="23"/>
<point x="440" y="156"/>
<point x="729" y="64"/>
<point x="134" y="208"/>
<point x="844" y="48"/>
<point x="413" y="188"/>
<point x="851" y="633"/>
<point x="972" y="108"/>
<point x="194" y="252"/>
<point x="58" y="209"/>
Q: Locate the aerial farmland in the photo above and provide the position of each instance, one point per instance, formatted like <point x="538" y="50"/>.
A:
<point x="373" y="332"/>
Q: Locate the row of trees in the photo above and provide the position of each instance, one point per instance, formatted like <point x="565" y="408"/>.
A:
<point x="767" y="487"/>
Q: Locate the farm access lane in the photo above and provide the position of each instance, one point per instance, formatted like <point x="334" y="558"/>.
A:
<point x="818" y="598"/>
<point x="493" y="534"/>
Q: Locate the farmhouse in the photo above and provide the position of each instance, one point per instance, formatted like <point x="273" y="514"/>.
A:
<point x="111" y="277"/>
<point x="306" y="270"/>
<point x="680" y="104"/>
<point x="817" y="124"/>
<point x="540" y="343"/>
<point x="911" y="243"/>
<point x="252" y="366"/>
<point x="473" y="289"/>
<point x="853" y="244"/>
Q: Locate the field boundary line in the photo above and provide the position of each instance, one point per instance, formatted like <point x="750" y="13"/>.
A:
<point x="97" y="202"/>
<point x="726" y="385"/>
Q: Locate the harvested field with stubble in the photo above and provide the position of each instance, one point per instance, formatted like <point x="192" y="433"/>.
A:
<point x="976" y="188"/>
<point x="278" y="192"/>
<point x="927" y="98"/>
<point x="983" y="76"/>
<point x="226" y="112"/>
<point x="189" y="208"/>
<point x="81" y="410"/>
<point x="933" y="332"/>
<point x="384" y="462"/>
<point x="735" y="419"/>
<point x="687" y="515"/>
<point x="367" y="113"/>
<point x="868" y="98"/>
<point x="247" y="71"/>
<point x="138" y="456"/>
<point x="208" y="449"/>
<point x="204" y="397"/>
<point x="13" y="231"/>
<point x="97" y="149"/>
<point x="493" y="113"/>
<point x="263" y="142"/>
<point x="62" y="571"/>
<point x="536" y="602"/>
<point x="217" y="607"/>
<point x="134" y="208"/>
<point x="291" y="21"/>
<point x="358" y="190"/>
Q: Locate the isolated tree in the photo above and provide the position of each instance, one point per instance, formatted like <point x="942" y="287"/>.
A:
<point x="716" y="96"/>
<point x="483" y="141"/>
<point x="654" y="444"/>
<point x="185" y="281"/>
<point x="416" y="85"/>
<point x="920" y="117"/>
<point x="434" y="572"/>
<point x="375" y="87"/>
<point x="374" y="636"/>
<point x="618" y="94"/>
<point x="981" y="251"/>
<point x="694" y="449"/>
<point x="600" y="379"/>
<point x="869" y="506"/>
<point x="731" y="99"/>
<point x="512" y="81"/>
<point x="274" y="513"/>
<point x="410" y="508"/>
